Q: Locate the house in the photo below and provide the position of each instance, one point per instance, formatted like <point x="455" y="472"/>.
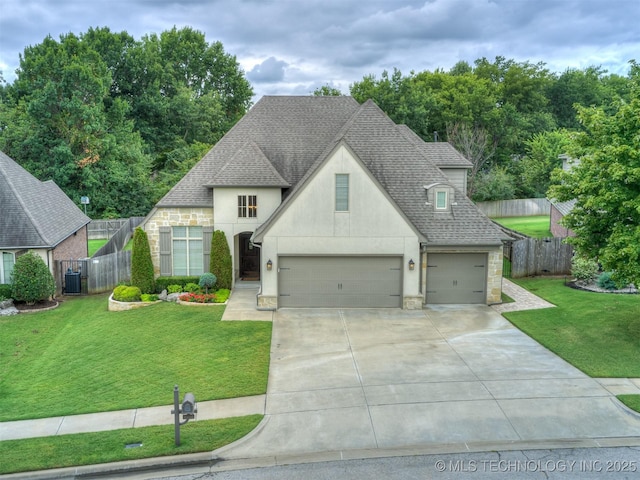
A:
<point x="36" y="216"/>
<point x="561" y="209"/>
<point x="329" y="203"/>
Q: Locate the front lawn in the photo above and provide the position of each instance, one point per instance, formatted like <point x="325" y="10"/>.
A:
<point x="81" y="358"/>
<point x="596" y="332"/>
<point x="102" y="447"/>
<point x="535" y="226"/>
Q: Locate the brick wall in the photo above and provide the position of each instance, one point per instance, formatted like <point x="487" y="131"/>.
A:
<point x="73" y="247"/>
<point x="558" y="230"/>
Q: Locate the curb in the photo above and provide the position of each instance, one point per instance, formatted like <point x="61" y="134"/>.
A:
<point x="211" y="462"/>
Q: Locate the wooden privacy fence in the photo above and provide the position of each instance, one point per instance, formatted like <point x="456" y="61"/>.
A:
<point x="539" y="256"/>
<point x="93" y="275"/>
<point x="524" y="207"/>
<point x="104" y="228"/>
<point x="119" y="239"/>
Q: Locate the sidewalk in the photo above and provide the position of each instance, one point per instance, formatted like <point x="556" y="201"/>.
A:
<point x="134" y="418"/>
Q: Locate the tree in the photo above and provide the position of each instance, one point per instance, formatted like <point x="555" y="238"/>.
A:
<point x="606" y="186"/>
<point x="220" y="263"/>
<point x="142" y="275"/>
<point x="542" y="157"/>
<point x="31" y="280"/>
<point x="327" y="91"/>
<point x="476" y="146"/>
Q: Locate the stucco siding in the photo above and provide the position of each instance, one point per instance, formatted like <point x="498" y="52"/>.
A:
<point x="310" y="225"/>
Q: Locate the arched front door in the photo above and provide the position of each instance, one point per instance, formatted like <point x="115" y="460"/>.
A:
<point x="249" y="258"/>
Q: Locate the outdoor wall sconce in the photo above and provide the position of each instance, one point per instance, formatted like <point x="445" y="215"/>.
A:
<point x="269" y="264"/>
<point x="412" y="264"/>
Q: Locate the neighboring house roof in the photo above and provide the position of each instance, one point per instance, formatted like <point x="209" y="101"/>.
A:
<point x="564" y="207"/>
<point x="34" y="214"/>
<point x="296" y="135"/>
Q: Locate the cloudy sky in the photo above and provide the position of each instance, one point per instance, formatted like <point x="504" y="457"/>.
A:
<point x="295" y="46"/>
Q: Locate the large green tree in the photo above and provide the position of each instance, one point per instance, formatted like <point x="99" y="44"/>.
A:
<point x="116" y="119"/>
<point x="606" y="185"/>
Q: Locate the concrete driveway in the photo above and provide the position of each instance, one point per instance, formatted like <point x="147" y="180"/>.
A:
<point x="382" y="379"/>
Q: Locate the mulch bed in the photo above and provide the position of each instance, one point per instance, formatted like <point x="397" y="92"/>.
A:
<point x="592" y="287"/>
<point x="23" y="307"/>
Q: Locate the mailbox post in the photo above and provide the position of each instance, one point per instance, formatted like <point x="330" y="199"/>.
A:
<point x="188" y="410"/>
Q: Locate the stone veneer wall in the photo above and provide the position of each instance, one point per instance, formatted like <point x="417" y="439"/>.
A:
<point x="173" y="217"/>
<point x="494" y="277"/>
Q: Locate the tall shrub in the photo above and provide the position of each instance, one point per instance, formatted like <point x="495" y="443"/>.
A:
<point x="141" y="264"/>
<point x="31" y="280"/>
<point x="220" y="264"/>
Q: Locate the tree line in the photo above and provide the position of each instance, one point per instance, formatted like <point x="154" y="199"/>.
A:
<point x="122" y="120"/>
<point x="117" y="119"/>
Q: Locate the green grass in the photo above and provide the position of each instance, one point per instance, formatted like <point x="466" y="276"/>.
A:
<point x="631" y="401"/>
<point x="535" y="227"/>
<point x="93" y="448"/>
<point x="81" y="358"/>
<point x="597" y="333"/>
<point x="95" y="245"/>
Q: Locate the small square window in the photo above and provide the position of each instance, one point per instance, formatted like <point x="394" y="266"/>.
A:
<point x="441" y="200"/>
<point x="248" y="206"/>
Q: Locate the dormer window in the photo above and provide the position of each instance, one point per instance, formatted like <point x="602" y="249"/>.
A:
<point x="441" y="199"/>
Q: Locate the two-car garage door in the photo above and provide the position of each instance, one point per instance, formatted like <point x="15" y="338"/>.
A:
<point x="323" y="281"/>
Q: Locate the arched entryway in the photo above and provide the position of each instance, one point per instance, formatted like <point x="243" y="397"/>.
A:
<point x="249" y="256"/>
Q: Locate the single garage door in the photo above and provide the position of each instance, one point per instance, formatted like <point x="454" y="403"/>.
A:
<point x="370" y="282"/>
<point x="456" y="278"/>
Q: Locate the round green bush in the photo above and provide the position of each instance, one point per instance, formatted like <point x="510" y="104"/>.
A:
<point x="583" y="269"/>
<point x="174" y="289"/>
<point x="207" y="281"/>
<point x="31" y="280"/>
<point x="124" y="293"/>
<point x="605" y="281"/>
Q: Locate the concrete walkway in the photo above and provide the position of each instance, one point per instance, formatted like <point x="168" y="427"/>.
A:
<point x="524" y="300"/>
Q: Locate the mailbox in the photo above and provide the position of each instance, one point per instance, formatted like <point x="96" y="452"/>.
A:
<point x="189" y="408"/>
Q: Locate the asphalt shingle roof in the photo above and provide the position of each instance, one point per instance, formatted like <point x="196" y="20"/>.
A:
<point x="34" y="213"/>
<point x="296" y="134"/>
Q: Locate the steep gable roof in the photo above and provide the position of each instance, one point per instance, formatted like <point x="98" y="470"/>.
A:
<point x="295" y="135"/>
<point x="34" y="213"/>
<point x="403" y="168"/>
<point x="290" y="131"/>
<point x="248" y="167"/>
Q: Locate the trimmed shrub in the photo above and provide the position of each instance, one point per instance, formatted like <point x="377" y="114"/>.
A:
<point x="583" y="269"/>
<point x="162" y="283"/>
<point x="192" y="288"/>
<point x="148" y="297"/>
<point x="174" y="289"/>
<point x="31" y="280"/>
<point x="207" y="281"/>
<point x="222" y="295"/>
<point x="605" y="281"/>
<point x="5" y="291"/>
<point x="220" y="264"/>
<point x="141" y="264"/>
<point x="124" y="293"/>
